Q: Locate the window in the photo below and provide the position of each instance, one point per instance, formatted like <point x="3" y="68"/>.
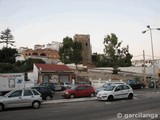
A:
<point x="35" y="92"/>
<point x="86" y="87"/>
<point x="118" y="88"/>
<point x="80" y="88"/>
<point x="17" y="93"/>
<point x="125" y="87"/>
<point x="28" y="93"/>
<point x="42" y="54"/>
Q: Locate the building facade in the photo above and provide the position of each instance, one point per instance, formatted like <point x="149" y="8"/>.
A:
<point x="46" y="73"/>
<point x="48" y="55"/>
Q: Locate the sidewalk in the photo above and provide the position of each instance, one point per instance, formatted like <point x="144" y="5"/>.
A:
<point x="69" y="100"/>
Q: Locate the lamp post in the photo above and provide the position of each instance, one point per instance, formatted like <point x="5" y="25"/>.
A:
<point x="150" y="29"/>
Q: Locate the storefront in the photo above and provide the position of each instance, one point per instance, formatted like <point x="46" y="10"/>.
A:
<point x="53" y="73"/>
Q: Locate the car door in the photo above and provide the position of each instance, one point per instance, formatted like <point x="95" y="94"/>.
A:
<point x="79" y="91"/>
<point x="118" y="92"/>
<point x="87" y="90"/>
<point x="14" y="99"/>
<point x="27" y="98"/>
<point x="125" y="91"/>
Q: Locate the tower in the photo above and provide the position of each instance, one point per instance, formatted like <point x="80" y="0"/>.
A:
<point x="86" y="48"/>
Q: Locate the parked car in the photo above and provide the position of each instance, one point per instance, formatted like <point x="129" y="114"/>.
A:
<point x="21" y="98"/>
<point x="65" y="85"/>
<point x="46" y="92"/>
<point x="80" y="90"/>
<point x="82" y="83"/>
<point x="54" y="86"/>
<point x="136" y="84"/>
<point x="115" y="91"/>
<point x="107" y="84"/>
<point x="151" y="84"/>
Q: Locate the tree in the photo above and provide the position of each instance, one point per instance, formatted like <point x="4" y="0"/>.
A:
<point x="7" y="55"/>
<point x="28" y="64"/>
<point x="77" y="48"/>
<point x="70" y="52"/>
<point x="66" y="50"/>
<point x="115" y="55"/>
<point x="97" y="59"/>
<point x="7" y="37"/>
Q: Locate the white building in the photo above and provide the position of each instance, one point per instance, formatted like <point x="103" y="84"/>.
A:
<point x="54" y="45"/>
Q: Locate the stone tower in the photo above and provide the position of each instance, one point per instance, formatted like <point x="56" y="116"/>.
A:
<point x="86" y="48"/>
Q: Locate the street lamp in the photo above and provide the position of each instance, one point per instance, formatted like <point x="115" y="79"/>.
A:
<point x="150" y="29"/>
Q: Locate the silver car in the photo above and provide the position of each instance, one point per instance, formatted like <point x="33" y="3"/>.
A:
<point x="21" y="98"/>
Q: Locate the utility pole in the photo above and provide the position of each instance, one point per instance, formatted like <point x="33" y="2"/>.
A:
<point x="144" y="65"/>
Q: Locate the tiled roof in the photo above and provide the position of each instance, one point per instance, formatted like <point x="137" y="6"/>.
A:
<point x="53" y="67"/>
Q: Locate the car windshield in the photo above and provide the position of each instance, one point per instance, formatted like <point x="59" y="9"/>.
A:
<point x="68" y="83"/>
<point x="7" y="94"/>
<point x="42" y="84"/>
<point x="74" y="88"/>
<point x="106" y="84"/>
<point x="109" y="88"/>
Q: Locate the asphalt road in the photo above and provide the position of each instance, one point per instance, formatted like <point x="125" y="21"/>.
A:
<point x="90" y="110"/>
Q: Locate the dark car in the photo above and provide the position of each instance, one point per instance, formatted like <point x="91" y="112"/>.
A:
<point x="50" y="85"/>
<point x="136" y="84"/>
<point x="54" y="86"/>
<point x="46" y="92"/>
<point x="81" y="90"/>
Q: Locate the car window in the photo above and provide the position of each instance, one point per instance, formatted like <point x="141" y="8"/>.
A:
<point x="68" y="83"/>
<point x="44" y="89"/>
<point x="35" y="88"/>
<point x="35" y="92"/>
<point x="109" y="88"/>
<point x="80" y="88"/>
<point x="17" y="93"/>
<point x="74" y="88"/>
<point x="28" y="93"/>
<point x="107" y="84"/>
<point x="125" y="87"/>
<point x="86" y="87"/>
<point x="118" y="88"/>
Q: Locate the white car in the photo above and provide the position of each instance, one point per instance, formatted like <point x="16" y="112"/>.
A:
<point x="107" y="84"/>
<point x="115" y="91"/>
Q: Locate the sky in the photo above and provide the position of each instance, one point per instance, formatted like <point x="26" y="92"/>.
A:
<point x="43" y="21"/>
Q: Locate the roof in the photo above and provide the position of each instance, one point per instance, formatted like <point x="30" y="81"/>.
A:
<point x="53" y="68"/>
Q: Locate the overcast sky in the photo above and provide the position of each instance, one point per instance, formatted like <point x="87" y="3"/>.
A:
<point x="42" y="21"/>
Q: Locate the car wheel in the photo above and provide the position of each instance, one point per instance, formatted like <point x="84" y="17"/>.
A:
<point x="110" y="98"/>
<point x="1" y="107"/>
<point x="72" y="96"/>
<point x="130" y="96"/>
<point x="48" y="98"/>
<point x="92" y="95"/>
<point x="36" y="104"/>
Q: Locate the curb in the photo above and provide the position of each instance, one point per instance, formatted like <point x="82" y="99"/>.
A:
<point x="69" y="100"/>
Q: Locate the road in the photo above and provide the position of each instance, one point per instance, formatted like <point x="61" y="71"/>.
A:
<point x="142" y="104"/>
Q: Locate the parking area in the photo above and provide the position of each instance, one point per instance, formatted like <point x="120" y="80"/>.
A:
<point x="138" y="95"/>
